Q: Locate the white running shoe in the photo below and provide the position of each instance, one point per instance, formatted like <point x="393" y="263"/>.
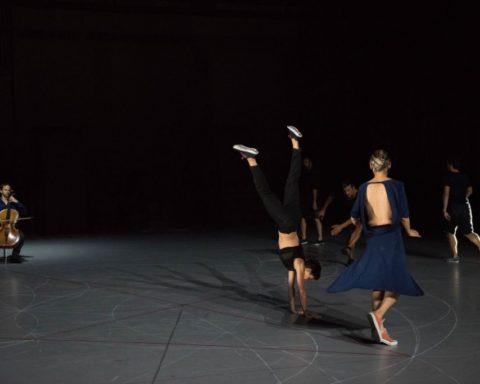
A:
<point x="294" y="132"/>
<point x="454" y="260"/>
<point x="246" y="152"/>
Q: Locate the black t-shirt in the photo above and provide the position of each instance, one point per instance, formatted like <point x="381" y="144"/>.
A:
<point x="288" y="256"/>
<point x="458" y="182"/>
<point x="343" y="203"/>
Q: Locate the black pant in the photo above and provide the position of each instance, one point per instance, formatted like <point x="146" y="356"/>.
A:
<point x="460" y="218"/>
<point x="287" y="215"/>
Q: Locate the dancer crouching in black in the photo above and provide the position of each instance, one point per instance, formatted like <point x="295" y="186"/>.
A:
<point x="287" y="216"/>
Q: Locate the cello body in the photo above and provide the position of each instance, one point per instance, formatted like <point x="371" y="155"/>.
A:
<point x="9" y="234"/>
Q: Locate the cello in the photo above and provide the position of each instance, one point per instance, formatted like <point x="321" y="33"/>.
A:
<point x="9" y="234"/>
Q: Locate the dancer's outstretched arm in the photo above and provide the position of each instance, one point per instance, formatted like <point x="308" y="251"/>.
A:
<point x="323" y="210"/>
<point x="410" y="232"/>
<point x="338" y="228"/>
<point x="405" y="213"/>
<point x="446" y="196"/>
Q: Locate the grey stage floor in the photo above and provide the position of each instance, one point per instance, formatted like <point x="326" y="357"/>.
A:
<point x="211" y="308"/>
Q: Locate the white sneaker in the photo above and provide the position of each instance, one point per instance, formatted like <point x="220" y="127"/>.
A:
<point x="246" y="151"/>
<point x="296" y="134"/>
<point x="454" y="260"/>
<point x="386" y="339"/>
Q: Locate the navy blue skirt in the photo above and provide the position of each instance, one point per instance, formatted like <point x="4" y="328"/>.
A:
<point x="381" y="268"/>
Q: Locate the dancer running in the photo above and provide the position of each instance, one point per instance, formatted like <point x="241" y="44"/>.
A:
<point x="457" y="190"/>
<point x="382" y="208"/>
<point x="287" y="216"/>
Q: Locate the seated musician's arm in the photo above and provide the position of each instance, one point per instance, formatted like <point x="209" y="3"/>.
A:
<point x="22" y="209"/>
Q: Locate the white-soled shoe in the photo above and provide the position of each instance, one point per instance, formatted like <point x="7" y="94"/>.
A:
<point x="246" y="152"/>
<point x="376" y="326"/>
<point x="294" y="132"/>
<point x="386" y="339"/>
<point x="454" y="260"/>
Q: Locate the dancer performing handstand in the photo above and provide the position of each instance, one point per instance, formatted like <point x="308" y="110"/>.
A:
<point x="382" y="208"/>
<point x="287" y="216"/>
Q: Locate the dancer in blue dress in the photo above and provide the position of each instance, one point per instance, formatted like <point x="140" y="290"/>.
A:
<point x="381" y="207"/>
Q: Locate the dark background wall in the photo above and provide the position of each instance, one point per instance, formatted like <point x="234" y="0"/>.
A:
<point x="120" y="115"/>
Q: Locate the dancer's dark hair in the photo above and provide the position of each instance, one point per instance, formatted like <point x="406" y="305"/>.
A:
<point x="347" y="183"/>
<point x="455" y="162"/>
<point x="315" y="267"/>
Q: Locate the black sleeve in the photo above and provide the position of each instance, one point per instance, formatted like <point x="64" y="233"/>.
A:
<point x="403" y="202"/>
<point x="447" y="181"/>
<point x="355" y="212"/>
<point x="22" y="210"/>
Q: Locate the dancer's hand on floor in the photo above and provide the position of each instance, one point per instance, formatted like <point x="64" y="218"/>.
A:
<point x="299" y="312"/>
<point x="312" y="315"/>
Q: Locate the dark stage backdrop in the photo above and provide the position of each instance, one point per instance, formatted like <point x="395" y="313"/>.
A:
<point x="117" y="116"/>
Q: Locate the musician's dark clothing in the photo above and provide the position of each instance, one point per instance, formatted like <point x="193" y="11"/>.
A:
<point x="22" y="210"/>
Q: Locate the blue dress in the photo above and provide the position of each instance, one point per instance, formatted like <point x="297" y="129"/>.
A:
<point x="383" y="266"/>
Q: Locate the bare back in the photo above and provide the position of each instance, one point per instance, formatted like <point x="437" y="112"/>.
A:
<point x="377" y="205"/>
<point x="286" y="240"/>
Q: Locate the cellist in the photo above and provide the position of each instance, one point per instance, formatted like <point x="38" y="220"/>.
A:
<point x="7" y="200"/>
